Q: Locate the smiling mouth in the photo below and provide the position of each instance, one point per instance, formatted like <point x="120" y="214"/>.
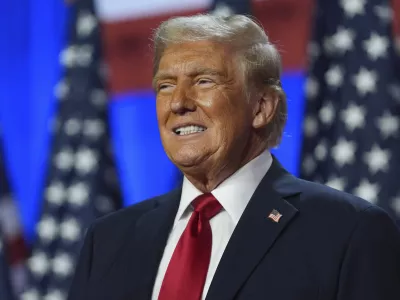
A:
<point x="190" y="129"/>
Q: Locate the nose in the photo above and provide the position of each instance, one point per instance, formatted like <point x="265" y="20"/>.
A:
<point x="182" y="100"/>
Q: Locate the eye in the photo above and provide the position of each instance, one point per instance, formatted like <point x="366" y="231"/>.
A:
<point x="164" y="86"/>
<point x="205" y="82"/>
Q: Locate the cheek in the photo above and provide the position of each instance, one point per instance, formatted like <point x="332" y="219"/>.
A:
<point x="228" y="125"/>
<point x="207" y="100"/>
<point x="231" y="113"/>
<point x="235" y="121"/>
<point x="161" y="110"/>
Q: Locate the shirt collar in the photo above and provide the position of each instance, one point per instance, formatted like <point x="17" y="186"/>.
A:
<point x="235" y="192"/>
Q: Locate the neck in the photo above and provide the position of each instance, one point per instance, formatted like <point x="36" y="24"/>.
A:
<point x="206" y="179"/>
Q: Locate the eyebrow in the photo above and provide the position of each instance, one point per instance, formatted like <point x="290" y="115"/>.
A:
<point x="196" y="72"/>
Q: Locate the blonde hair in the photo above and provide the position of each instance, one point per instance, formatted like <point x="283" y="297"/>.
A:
<point x="259" y="58"/>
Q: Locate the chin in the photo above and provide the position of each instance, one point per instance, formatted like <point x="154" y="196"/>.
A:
<point x="183" y="159"/>
<point x="185" y="162"/>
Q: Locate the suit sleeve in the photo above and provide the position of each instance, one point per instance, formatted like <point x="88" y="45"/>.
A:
<point x="371" y="266"/>
<point x="77" y="290"/>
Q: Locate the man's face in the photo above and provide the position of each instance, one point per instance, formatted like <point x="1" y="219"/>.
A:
<point x="203" y="114"/>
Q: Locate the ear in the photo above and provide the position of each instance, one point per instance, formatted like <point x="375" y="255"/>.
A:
<point x="265" y="108"/>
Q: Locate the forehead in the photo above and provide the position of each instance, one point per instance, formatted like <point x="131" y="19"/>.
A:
<point x="195" y="55"/>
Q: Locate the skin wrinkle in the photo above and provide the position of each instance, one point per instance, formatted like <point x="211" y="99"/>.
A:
<point x="235" y="127"/>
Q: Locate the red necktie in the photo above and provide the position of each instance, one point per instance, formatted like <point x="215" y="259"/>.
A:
<point x="187" y="269"/>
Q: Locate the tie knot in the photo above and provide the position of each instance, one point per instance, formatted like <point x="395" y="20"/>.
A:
<point x="207" y="206"/>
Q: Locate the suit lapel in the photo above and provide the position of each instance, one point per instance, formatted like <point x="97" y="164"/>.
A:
<point x="255" y="233"/>
<point x="145" y="249"/>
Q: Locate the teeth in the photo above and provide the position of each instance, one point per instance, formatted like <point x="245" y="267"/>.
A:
<point x="189" y="130"/>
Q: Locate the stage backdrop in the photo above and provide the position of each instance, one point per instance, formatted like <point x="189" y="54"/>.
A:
<point x="32" y="34"/>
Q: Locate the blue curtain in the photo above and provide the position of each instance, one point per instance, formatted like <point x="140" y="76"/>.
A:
<point x="32" y="33"/>
<point x="288" y="152"/>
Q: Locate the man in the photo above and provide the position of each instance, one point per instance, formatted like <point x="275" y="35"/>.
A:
<point x="241" y="227"/>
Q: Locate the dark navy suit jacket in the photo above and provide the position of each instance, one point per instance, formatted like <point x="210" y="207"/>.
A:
<point x="5" y="285"/>
<point x="327" y="245"/>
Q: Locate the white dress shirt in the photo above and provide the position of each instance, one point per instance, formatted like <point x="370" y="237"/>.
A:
<point x="234" y="194"/>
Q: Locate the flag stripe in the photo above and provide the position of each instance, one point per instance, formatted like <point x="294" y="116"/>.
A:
<point x="118" y="10"/>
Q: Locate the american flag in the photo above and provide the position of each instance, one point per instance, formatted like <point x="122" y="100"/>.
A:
<point x="352" y="138"/>
<point x="13" y="250"/>
<point x="82" y="183"/>
<point x="275" y="215"/>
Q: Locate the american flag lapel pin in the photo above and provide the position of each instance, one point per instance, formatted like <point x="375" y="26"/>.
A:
<point x="275" y="215"/>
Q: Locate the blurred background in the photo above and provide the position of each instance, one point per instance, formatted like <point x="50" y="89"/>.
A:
<point x="78" y="129"/>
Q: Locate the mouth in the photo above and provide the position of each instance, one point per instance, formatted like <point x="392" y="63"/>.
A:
<point x="189" y="129"/>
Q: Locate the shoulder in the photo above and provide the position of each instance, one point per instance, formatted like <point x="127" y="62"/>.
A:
<point x="330" y="223"/>
<point x="109" y="234"/>
<point x="117" y="224"/>
<point x="324" y="198"/>
<point x="321" y="205"/>
<point x="338" y="209"/>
